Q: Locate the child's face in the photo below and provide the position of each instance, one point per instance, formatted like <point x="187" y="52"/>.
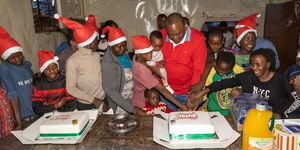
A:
<point x="94" y="45"/>
<point x="153" y="98"/>
<point x="119" y="49"/>
<point x="156" y="43"/>
<point x="259" y="65"/>
<point x="16" y="58"/>
<point x="223" y="68"/>
<point x="146" y="56"/>
<point x="51" y="72"/>
<point x="161" y="22"/>
<point x="248" y="42"/>
<point x="215" y="43"/>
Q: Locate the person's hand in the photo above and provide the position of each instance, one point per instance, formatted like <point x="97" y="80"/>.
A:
<point x="236" y="92"/>
<point x="183" y="107"/>
<point x="162" y="63"/>
<point x="60" y="103"/>
<point x="97" y="102"/>
<point x="19" y="127"/>
<point x="138" y="111"/>
<point x="196" y="96"/>
<point x="195" y="88"/>
<point x="277" y="116"/>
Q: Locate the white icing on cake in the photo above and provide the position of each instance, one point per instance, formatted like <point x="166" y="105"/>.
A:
<point x="64" y="124"/>
<point x="197" y="125"/>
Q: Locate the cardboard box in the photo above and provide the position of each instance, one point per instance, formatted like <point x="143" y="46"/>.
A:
<point x="225" y="134"/>
<point x="31" y="133"/>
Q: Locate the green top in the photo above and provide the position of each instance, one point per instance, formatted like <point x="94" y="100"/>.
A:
<point x="220" y="100"/>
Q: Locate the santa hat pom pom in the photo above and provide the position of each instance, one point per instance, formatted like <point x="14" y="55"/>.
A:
<point x="102" y="36"/>
<point x="56" y="16"/>
<point x="258" y="15"/>
<point x="55" y="58"/>
<point x="86" y="18"/>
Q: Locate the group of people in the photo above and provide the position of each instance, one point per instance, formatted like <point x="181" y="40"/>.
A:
<point x="171" y="70"/>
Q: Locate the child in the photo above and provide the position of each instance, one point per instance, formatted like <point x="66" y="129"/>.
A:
<point x="16" y="77"/>
<point x="215" y="43"/>
<point x="153" y="102"/>
<point x="83" y="76"/>
<point x="263" y="80"/>
<point x="142" y="75"/>
<point x="49" y="92"/>
<point x="225" y="68"/>
<point x="157" y="57"/>
<point x="161" y="21"/>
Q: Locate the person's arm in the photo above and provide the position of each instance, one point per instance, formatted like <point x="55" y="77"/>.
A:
<point x="169" y="96"/>
<point x="200" y="85"/>
<point x="292" y="102"/>
<point x="16" y="109"/>
<point x="198" y="60"/>
<point x="40" y="109"/>
<point x="71" y="83"/>
<point x="216" y="86"/>
<point x="11" y="95"/>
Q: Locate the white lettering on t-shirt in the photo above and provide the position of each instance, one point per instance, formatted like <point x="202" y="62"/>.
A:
<point x="264" y="93"/>
<point x="25" y="82"/>
<point x="295" y="105"/>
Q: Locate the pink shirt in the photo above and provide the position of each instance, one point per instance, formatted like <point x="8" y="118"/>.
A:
<point x="143" y="79"/>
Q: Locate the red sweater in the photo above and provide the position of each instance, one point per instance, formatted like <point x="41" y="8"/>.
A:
<point x="184" y="63"/>
<point x="149" y="110"/>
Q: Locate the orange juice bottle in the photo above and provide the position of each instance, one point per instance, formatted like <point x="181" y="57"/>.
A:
<point x="257" y="135"/>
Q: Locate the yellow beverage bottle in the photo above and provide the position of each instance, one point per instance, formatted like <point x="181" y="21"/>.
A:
<point x="257" y="135"/>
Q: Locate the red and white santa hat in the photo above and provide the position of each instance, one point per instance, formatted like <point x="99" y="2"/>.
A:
<point x="115" y="35"/>
<point x="8" y="45"/>
<point x="91" y="22"/>
<point x="141" y="44"/>
<point x="246" y="25"/>
<point x="46" y="58"/>
<point x="83" y="34"/>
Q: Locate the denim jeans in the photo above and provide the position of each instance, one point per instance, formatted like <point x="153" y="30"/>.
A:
<point x="181" y="98"/>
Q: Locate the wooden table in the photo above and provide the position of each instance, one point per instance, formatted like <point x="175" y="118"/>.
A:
<point x="100" y="138"/>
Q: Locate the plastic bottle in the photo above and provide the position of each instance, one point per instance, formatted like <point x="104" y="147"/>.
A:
<point x="257" y="135"/>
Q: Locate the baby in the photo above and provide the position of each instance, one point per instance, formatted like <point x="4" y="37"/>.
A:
<point x="153" y="102"/>
<point x="157" y="57"/>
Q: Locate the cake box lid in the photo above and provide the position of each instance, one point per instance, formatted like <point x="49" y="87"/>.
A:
<point x="225" y="134"/>
<point x="183" y="122"/>
<point x="30" y="134"/>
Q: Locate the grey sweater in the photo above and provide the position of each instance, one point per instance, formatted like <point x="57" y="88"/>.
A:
<point x="113" y="78"/>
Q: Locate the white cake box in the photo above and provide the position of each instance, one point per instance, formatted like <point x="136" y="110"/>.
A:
<point x="225" y="135"/>
<point x="31" y="135"/>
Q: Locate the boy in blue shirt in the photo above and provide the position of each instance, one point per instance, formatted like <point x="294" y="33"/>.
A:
<point x="16" y="77"/>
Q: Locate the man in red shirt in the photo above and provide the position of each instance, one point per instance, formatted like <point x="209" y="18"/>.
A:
<point x="184" y="53"/>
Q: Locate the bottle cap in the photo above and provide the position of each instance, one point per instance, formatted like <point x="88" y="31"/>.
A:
<point x="260" y="107"/>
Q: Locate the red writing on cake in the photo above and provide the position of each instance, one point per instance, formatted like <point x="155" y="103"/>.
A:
<point x="61" y="117"/>
<point x="190" y="116"/>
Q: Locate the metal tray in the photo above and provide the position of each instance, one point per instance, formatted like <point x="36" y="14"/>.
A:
<point x="121" y="123"/>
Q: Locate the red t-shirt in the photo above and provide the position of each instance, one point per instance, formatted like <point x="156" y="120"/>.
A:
<point x="185" y="62"/>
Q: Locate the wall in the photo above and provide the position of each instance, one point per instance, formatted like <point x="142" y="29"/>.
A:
<point x="139" y="16"/>
<point x="17" y="19"/>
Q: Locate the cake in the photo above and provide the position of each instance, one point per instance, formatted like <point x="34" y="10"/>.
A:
<point x="190" y="126"/>
<point x="71" y="124"/>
